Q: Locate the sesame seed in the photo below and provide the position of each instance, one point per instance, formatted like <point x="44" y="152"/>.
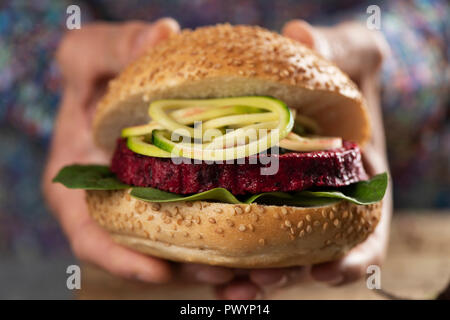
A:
<point x="325" y="226"/>
<point x="238" y="210"/>
<point x="337" y="223"/>
<point x="300" y="224"/>
<point x="218" y="210"/>
<point x="212" y="220"/>
<point x="316" y="223"/>
<point x="156" y="207"/>
<point x="248" y="209"/>
<point x="242" y="228"/>
<point x="284" y="211"/>
<point x="301" y="234"/>
<point x="251" y="227"/>
<point x="168" y="213"/>
<point x="349" y="230"/>
<point x="308" y="229"/>
<point x="262" y="241"/>
<point x="308" y="218"/>
<point x="219" y="230"/>
<point x="287" y="223"/>
<point x="276" y="216"/>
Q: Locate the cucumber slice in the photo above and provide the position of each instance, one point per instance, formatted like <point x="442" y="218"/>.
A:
<point x="157" y="110"/>
<point x="138" y="145"/>
<point x="240" y="120"/>
<point x="140" y="130"/>
<point x="161" y="139"/>
<point x="189" y="115"/>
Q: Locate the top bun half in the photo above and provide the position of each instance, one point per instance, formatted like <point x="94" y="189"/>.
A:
<point x="230" y="61"/>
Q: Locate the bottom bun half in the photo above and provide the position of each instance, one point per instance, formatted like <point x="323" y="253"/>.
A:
<point x="240" y="236"/>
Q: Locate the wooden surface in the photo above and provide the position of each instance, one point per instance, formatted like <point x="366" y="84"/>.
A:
<point x="417" y="266"/>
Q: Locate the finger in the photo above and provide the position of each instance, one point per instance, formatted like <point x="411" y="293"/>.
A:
<point x="266" y="277"/>
<point x="104" y="49"/>
<point x="94" y="245"/>
<point x="206" y="274"/>
<point x="351" y="267"/>
<point x="131" y="40"/>
<point x="239" y="289"/>
<point x="310" y="36"/>
<point x="162" y="29"/>
<point x="300" y="31"/>
<point x="279" y="277"/>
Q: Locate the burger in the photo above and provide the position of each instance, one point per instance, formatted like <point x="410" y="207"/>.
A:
<point x="232" y="146"/>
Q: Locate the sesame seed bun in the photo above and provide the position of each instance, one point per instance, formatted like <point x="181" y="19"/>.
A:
<point x="241" y="236"/>
<point x="228" y="61"/>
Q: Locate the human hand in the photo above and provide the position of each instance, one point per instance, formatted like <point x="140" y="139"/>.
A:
<point x="359" y="52"/>
<point x="88" y="59"/>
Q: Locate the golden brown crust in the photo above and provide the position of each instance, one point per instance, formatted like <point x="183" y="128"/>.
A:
<point x="226" y="61"/>
<point x="242" y="236"/>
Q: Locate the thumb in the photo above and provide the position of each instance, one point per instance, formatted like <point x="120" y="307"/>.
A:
<point x="160" y="30"/>
<point x="310" y="36"/>
<point x="134" y="38"/>
<point x="367" y="48"/>
<point x="101" y="50"/>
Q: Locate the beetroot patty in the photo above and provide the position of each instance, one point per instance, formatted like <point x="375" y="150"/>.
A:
<point x="297" y="171"/>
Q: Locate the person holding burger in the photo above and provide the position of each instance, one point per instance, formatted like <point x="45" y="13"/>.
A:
<point x="92" y="56"/>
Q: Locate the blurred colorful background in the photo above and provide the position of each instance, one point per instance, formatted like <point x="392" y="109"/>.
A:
<point x="414" y="97"/>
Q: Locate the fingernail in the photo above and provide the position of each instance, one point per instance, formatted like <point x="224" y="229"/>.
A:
<point x="213" y="278"/>
<point x="202" y="277"/>
<point x="170" y="24"/>
<point x="335" y="281"/>
<point x="145" y="277"/>
<point x="282" y="282"/>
